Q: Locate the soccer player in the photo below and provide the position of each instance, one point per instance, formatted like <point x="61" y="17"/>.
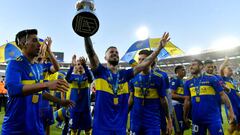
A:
<point x="80" y="116"/>
<point x="148" y="93"/>
<point x="168" y="95"/>
<point x="24" y="82"/>
<point x="200" y="91"/>
<point x="48" y="60"/>
<point x="111" y="107"/>
<point x="177" y="90"/>
<point x="226" y="73"/>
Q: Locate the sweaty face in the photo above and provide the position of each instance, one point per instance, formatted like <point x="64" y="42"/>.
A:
<point x="141" y="58"/>
<point x="32" y="45"/>
<point x="182" y="72"/>
<point x="195" y="68"/>
<point x="112" y="56"/>
<point x="228" y="71"/>
<point x="79" y="68"/>
<point x="209" y="68"/>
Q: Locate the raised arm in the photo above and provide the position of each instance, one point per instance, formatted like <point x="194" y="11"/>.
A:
<point x="83" y="62"/>
<point x="69" y="73"/>
<point x="223" y="65"/>
<point x="148" y="61"/>
<point x="92" y="56"/>
<point x="55" y="66"/>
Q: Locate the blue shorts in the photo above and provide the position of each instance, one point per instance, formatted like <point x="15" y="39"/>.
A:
<point x="46" y="115"/>
<point x="178" y="118"/>
<point x="214" y="128"/>
<point x="108" y="132"/>
<point x="138" y="129"/>
<point x="80" y="120"/>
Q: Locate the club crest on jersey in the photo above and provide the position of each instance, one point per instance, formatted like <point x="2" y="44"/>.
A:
<point x="31" y="74"/>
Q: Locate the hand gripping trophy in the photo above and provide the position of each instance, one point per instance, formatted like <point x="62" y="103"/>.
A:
<point x="85" y="23"/>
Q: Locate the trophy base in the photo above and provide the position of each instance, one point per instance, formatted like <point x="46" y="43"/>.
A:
<point x="85" y="24"/>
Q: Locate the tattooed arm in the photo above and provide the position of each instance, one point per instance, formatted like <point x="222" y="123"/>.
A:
<point x="148" y="61"/>
<point x="164" y="103"/>
<point x="227" y="102"/>
<point x="92" y="56"/>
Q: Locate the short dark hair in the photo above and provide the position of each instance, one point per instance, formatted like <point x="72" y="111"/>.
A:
<point x="177" y="68"/>
<point x="110" y="48"/>
<point x="208" y="62"/>
<point x="24" y="33"/>
<point x="145" y="52"/>
<point x="198" y="61"/>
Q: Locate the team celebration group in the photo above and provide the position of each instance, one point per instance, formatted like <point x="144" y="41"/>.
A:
<point x="145" y="95"/>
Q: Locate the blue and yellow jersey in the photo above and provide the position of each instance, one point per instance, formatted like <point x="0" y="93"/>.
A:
<point x="176" y="84"/>
<point x="165" y="77"/>
<point x="111" y="109"/>
<point x="147" y="90"/>
<point x="205" y="105"/>
<point x="79" y="92"/>
<point x="61" y="114"/>
<point x="46" y="74"/>
<point x="22" y="115"/>
<point x="235" y="100"/>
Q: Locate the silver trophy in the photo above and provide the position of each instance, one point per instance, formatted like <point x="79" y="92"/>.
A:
<point x="85" y="23"/>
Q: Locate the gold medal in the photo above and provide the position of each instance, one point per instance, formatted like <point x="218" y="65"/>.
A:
<point x="198" y="99"/>
<point x="35" y="99"/>
<point x="115" y="101"/>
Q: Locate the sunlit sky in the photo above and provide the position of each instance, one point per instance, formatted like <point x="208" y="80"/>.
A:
<point x="193" y="24"/>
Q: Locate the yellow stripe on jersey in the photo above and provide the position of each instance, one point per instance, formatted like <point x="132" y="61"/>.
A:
<point x="204" y="90"/>
<point x="180" y="90"/>
<point x="84" y="84"/>
<point x="30" y="81"/>
<point x="152" y="93"/>
<point x="53" y="76"/>
<point x="230" y="85"/>
<point x="74" y="85"/>
<point x="27" y="82"/>
<point x="103" y="85"/>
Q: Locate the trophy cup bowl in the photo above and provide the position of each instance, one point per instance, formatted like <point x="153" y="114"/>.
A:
<point x="85" y="23"/>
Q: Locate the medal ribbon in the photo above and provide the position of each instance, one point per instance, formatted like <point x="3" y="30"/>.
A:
<point x="145" y="90"/>
<point x="197" y="85"/>
<point x="115" y="84"/>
